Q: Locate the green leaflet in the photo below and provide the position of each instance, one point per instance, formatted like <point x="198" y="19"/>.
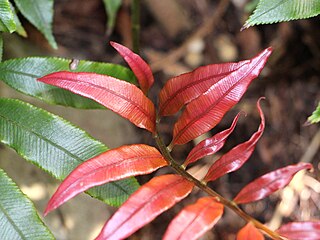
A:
<point x="40" y="14"/>
<point x="18" y="217"/>
<point x="55" y="145"/>
<point x="7" y="23"/>
<point x="273" y="11"/>
<point x="315" y="117"/>
<point x="22" y="73"/>
<point x="111" y="7"/>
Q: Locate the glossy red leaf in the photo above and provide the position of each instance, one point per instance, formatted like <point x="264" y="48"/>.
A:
<point x="194" y="220"/>
<point x="140" y="68"/>
<point x="237" y="156"/>
<point x="301" y="230"/>
<point x="121" y="97"/>
<point x="211" y="145"/>
<point x="269" y="183"/>
<point x="184" y="88"/>
<point x="206" y="111"/>
<point x="249" y="232"/>
<point x="112" y="165"/>
<point x="153" y="198"/>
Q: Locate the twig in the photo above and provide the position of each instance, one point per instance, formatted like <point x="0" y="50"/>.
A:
<point x="179" y="169"/>
<point x="135" y="21"/>
<point x="208" y="27"/>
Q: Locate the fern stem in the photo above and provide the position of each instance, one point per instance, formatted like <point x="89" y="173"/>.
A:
<point x="135" y="21"/>
<point x="179" y="169"/>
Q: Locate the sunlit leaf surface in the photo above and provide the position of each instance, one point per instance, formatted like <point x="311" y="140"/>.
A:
<point x="22" y="73"/>
<point x="206" y="111"/>
<point x="153" y="198"/>
<point x="309" y="230"/>
<point x="249" y="232"/>
<point x="119" y="96"/>
<point x="55" y="145"/>
<point x="184" y="88"/>
<point x="115" y="164"/>
<point x="194" y="220"/>
<point x="269" y="183"/>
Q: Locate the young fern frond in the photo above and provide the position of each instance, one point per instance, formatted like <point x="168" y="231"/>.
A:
<point x="207" y="93"/>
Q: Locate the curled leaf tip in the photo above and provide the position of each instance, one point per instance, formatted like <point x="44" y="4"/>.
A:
<point x="211" y="145"/>
<point x="237" y="156"/>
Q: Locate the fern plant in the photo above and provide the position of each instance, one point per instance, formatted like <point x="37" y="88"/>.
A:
<point x="206" y="94"/>
<point x="58" y="147"/>
<point x="38" y="13"/>
<point x="274" y="11"/>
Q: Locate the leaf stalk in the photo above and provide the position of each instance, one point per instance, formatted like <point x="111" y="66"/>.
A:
<point x="179" y="169"/>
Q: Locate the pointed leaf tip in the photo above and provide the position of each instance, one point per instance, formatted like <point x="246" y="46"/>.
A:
<point x="152" y="199"/>
<point x="194" y="220"/>
<point x="249" y="232"/>
<point x="112" y="165"/>
<point x="237" y="156"/>
<point x="273" y="11"/>
<point x="206" y="111"/>
<point x="269" y="183"/>
<point x="140" y="68"/>
<point x="40" y="15"/>
<point x="119" y="96"/>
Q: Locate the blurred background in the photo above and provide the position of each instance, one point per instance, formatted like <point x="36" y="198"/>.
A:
<point x="176" y="36"/>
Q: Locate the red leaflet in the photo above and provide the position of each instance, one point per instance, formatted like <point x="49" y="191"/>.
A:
<point x="121" y="97"/>
<point x="301" y="230"/>
<point x="249" y="232"/>
<point x="206" y="111"/>
<point x="182" y="89"/>
<point x="269" y="183"/>
<point x="112" y="165"/>
<point x="194" y="220"/>
<point x="211" y="145"/>
<point x="144" y="205"/>
<point x="140" y="68"/>
<point x="237" y="156"/>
